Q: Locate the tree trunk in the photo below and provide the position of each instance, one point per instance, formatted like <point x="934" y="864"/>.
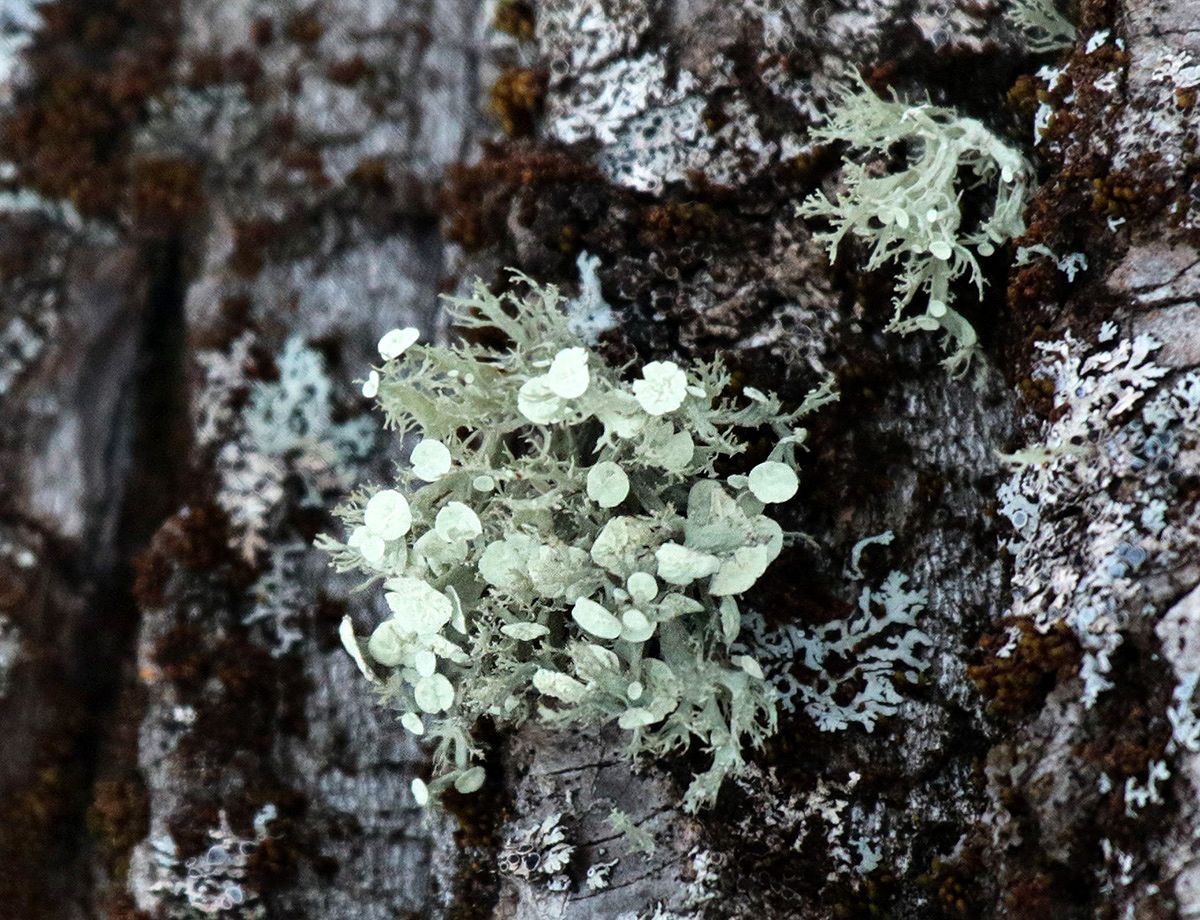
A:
<point x="212" y="211"/>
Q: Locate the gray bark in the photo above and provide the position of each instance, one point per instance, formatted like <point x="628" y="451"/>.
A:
<point x="316" y="175"/>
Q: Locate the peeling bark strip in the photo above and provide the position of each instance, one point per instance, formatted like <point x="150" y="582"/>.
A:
<point x="211" y="210"/>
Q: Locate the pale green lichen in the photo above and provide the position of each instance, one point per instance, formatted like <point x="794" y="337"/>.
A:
<point x="912" y="215"/>
<point x="561" y="544"/>
<point x="1042" y="26"/>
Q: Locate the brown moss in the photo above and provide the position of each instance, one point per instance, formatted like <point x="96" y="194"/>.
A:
<point x="179" y="659"/>
<point x="677" y="222"/>
<point x="118" y="818"/>
<point x="477" y="199"/>
<point x="1017" y="684"/>
<point x="480" y="817"/>
<point x="304" y="28"/>
<point x="1135" y="192"/>
<point x="237" y="67"/>
<point x="120" y="906"/>
<point x="515" y="18"/>
<point x="1033" y="897"/>
<point x="165" y="194"/>
<point x="36" y="814"/>
<point x="1138" y="736"/>
<point x="1025" y="96"/>
<point x="251" y="238"/>
<point x="262" y="32"/>
<point x="350" y="71"/>
<point x="95" y="68"/>
<point x="371" y="176"/>
<point x="195" y="538"/>
<point x="517" y="98"/>
<point x="953" y="883"/>
<point x="234" y="316"/>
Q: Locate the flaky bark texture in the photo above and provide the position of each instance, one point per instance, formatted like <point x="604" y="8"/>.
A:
<point x="213" y="208"/>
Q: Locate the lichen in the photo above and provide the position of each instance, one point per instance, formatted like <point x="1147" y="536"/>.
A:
<point x="1118" y="427"/>
<point x="287" y="427"/>
<point x="215" y="883"/>
<point x="560" y="543"/>
<point x="864" y="653"/>
<point x="1043" y="27"/>
<point x="913" y="216"/>
<point x="10" y="649"/>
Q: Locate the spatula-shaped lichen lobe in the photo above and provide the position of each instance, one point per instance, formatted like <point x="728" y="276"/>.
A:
<point x="560" y="544"/>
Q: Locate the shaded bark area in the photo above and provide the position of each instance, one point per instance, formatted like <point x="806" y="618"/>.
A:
<point x="211" y="207"/>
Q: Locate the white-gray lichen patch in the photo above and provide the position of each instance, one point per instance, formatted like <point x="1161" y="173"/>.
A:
<point x="280" y="597"/>
<point x="10" y="650"/>
<point x="879" y="642"/>
<point x="215" y="883"/>
<point x="287" y="427"/>
<point x="1042" y="25"/>
<point x="1092" y="503"/>
<point x="649" y="116"/>
<point x="539" y="851"/>
<point x="19" y="20"/>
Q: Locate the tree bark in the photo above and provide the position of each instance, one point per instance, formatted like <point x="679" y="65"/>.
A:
<point x="205" y="201"/>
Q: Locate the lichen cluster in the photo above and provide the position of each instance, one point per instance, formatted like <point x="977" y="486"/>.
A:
<point x="882" y="644"/>
<point x="913" y="216"/>
<point x="560" y="542"/>
<point x="1120" y="425"/>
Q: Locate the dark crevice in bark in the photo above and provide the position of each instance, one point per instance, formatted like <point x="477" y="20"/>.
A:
<point x="105" y="650"/>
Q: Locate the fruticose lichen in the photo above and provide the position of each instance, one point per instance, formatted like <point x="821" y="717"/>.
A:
<point x="913" y="216"/>
<point x="560" y="543"/>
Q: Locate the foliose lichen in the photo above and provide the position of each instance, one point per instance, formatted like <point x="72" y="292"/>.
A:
<point x="287" y="427"/>
<point x="1041" y="24"/>
<point x="1121" y="423"/>
<point x="882" y="642"/>
<point x="560" y="543"/>
<point x="215" y="883"/>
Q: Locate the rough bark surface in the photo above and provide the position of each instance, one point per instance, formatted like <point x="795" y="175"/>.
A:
<point x="215" y="207"/>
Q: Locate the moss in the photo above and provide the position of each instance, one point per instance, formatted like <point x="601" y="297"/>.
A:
<point x="251" y="239"/>
<point x="350" y="71"/>
<point x="238" y="67"/>
<point x="1017" y="683"/>
<point x="37" y="812"/>
<point x="262" y="32"/>
<point x="95" y="68"/>
<point x="679" y="222"/>
<point x="118" y="818"/>
<point x="371" y="176"/>
<point x="1134" y="192"/>
<point x="120" y="906"/>
<point x="309" y="161"/>
<point x="304" y="28"/>
<point x="480" y="817"/>
<point x="515" y="18"/>
<point x="478" y="199"/>
<point x="517" y="98"/>
<point x="195" y="538"/>
<point x="165" y="194"/>
<point x="1031" y="897"/>
<point x="953" y="884"/>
